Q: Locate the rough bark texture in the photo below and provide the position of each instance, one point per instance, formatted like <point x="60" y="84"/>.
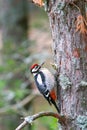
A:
<point x="70" y="55"/>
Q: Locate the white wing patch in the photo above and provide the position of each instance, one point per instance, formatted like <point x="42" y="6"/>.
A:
<point x="39" y="79"/>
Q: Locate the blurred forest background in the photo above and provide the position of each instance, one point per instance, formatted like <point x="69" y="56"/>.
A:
<point x="25" y="38"/>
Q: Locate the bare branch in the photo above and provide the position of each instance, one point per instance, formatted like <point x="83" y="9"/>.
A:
<point x="22" y="125"/>
<point x="30" y="119"/>
<point x="19" y="105"/>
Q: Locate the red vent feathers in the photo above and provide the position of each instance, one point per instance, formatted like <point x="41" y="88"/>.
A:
<point x="53" y="95"/>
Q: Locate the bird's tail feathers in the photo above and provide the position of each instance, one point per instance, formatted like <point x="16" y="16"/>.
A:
<point x="54" y="103"/>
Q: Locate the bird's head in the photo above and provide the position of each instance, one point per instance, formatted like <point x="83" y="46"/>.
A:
<point x="35" y="68"/>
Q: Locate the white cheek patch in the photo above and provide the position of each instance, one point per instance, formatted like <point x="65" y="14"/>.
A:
<point x="39" y="79"/>
<point x="33" y="70"/>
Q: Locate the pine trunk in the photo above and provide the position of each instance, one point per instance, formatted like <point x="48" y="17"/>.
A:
<point x="70" y="55"/>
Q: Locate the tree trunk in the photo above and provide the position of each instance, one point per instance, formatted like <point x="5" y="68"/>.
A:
<point x="14" y="17"/>
<point x="70" y="55"/>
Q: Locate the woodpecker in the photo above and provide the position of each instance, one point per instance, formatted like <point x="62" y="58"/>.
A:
<point x="45" y="83"/>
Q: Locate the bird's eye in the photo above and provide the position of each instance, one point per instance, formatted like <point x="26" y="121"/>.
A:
<point x="36" y="67"/>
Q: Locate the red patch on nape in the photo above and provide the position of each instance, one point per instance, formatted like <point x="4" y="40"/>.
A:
<point x="53" y="95"/>
<point x="33" y="66"/>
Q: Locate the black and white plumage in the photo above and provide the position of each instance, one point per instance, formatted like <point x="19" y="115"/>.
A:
<point x="45" y="83"/>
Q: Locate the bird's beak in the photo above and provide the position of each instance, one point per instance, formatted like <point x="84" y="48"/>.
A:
<point x="41" y="65"/>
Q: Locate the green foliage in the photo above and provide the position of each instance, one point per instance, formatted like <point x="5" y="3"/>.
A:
<point x="20" y="94"/>
<point x="49" y="122"/>
<point x="2" y="68"/>
<point x="17" y="83"/>
<point x="1" y="102"/>
<point x="12" y="73"/>
<point x="2" y="84"/>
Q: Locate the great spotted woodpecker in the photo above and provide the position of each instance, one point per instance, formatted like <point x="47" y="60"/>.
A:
<point x="45" y="83"/>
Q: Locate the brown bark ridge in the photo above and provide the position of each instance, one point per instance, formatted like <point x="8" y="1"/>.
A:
<point x="70" y="55"/>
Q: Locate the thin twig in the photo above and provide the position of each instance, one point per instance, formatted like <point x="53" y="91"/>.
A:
<point x="30" y="119"/>
<point x="76" y="6"/>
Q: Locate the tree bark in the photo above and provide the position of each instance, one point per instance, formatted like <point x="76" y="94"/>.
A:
<point x="70" y="55"/>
